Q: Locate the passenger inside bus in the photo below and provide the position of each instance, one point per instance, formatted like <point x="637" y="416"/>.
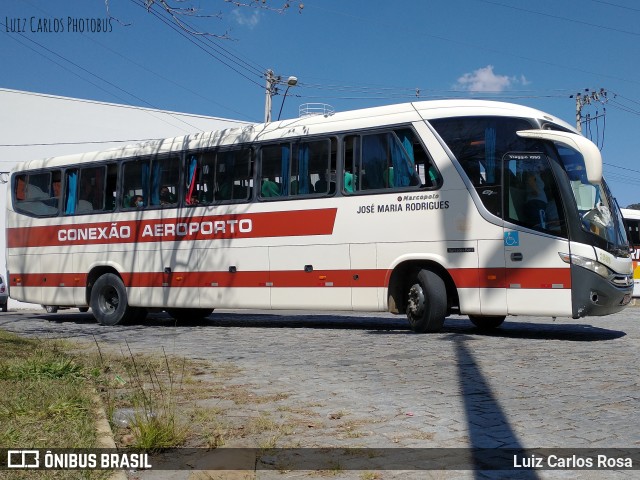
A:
<point x="137" y="201"/>
<point x="536" y="199"/>
<point x="166" y="197"/>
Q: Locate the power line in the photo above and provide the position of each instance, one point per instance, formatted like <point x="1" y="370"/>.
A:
<point x="611" y="4"/>
<point x="86" y="71"/>
<point x="155" y="73"/>
<point x="230" y="63"/>
<point x="558" y="17"/>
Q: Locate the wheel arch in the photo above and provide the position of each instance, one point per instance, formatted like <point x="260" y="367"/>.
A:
<point x="402" y="277"/>
<point x="95" y="273"/>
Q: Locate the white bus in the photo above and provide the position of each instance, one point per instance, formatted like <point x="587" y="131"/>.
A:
<point x="427" y="209"/>
<point x="632" y="220"/>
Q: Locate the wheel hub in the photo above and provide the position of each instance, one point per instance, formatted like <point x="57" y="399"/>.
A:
<point x="416" y="301"/>
<point x="110" y="300"/>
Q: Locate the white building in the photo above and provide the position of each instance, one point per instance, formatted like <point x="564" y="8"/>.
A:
<point x="33" y="125"/>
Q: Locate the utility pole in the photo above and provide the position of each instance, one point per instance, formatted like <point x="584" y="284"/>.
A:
<point x="270" y="91"/>
<point x="585" y="99"/>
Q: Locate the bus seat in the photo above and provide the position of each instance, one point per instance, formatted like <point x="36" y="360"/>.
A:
<point x="84" y="206"/>
<point x="239" y="192"/>
<point x="349" y="182"/>
<point x="321" y="186"/>
<point x="270" y="189"/>
<point x="37" y="208"/>
<point x="35" y="193"/>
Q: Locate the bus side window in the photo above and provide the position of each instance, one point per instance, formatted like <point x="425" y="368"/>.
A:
<point x="274" y="160"/>
<point x="242" y="175"/>
<point x="135" y="183"/>
<point x="34" y="193"/>
<point x="311" y="167"/>
<point x="165" y="175"/>
<point x="198" y="178"/>
<point x="111" y="188"/>
<point x="351" y="164"/>
<point x="91" y="196"/>
<point x="388" y="160"/>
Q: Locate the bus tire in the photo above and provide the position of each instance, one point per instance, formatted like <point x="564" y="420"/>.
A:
<point x="50" y="308"/>
<point x="186" y="314"/>
<point x="83" y="309"/>
<point x="109" y="302"/>
<point x="488" y="322"/>
<point x="427" y="302"/>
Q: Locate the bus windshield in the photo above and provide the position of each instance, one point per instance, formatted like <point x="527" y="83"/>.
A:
<point x="598" y="210"/>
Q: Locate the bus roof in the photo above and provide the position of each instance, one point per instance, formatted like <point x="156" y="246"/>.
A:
<point x="630" y="213"/>
<point x="309" y="125"/>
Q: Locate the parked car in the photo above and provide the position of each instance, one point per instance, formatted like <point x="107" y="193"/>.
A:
<point x="4" y="295"/>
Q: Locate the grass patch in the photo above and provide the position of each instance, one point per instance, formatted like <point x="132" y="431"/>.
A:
<point x="46" y="402"/>
<point x="154" y="402"/>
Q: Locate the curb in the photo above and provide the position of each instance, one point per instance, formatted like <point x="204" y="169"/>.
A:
<point x="104" y="434"/>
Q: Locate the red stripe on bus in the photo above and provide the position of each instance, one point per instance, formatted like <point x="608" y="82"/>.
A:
<point x="526" y="278"/>
<point x="213" y="227"/>
<point x="536" y="278"/>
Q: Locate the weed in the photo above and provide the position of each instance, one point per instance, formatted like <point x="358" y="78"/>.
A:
<point x="370" y="476"/>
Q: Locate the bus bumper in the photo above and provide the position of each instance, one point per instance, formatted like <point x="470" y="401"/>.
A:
<point x="593" y="295"/>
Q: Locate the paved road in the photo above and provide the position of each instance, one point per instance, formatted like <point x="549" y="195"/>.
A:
<point x="364" y="380"/>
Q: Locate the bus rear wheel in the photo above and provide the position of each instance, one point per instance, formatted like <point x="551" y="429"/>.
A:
<point x="186" y="314"/>
<point x="427" y="302"/>
<point x="487" y="322"/>
<point x="109" y="302"/>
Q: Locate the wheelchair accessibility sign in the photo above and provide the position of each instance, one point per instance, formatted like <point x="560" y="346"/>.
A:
<point x="511" y="239"/>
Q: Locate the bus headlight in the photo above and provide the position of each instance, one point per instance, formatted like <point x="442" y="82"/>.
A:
<point x="587" y="263"/>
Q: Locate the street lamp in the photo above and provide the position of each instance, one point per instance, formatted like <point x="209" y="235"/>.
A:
<point x="272" y="89"/>
<point x="291" y="82"/>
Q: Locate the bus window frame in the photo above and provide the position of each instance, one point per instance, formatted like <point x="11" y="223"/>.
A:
<point x="294" y="144"/>
<point x="17" y="204"/>
<point x="251" y="148"/>
<point x="387" y="129"/>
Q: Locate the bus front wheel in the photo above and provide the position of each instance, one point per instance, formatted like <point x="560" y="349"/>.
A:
<point x="487" y="322"/>
<point x="109" y="300"/>
<point x="427" y="302"/>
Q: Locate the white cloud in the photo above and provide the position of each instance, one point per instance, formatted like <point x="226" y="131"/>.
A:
<point x="485" y="80"/>
<point x="250" y="20"/>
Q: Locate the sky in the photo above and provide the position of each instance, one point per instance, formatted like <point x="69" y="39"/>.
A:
<point x="345" y="53"/>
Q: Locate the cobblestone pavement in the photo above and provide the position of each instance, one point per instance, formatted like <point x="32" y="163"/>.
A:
<point x="364" y="380"/>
